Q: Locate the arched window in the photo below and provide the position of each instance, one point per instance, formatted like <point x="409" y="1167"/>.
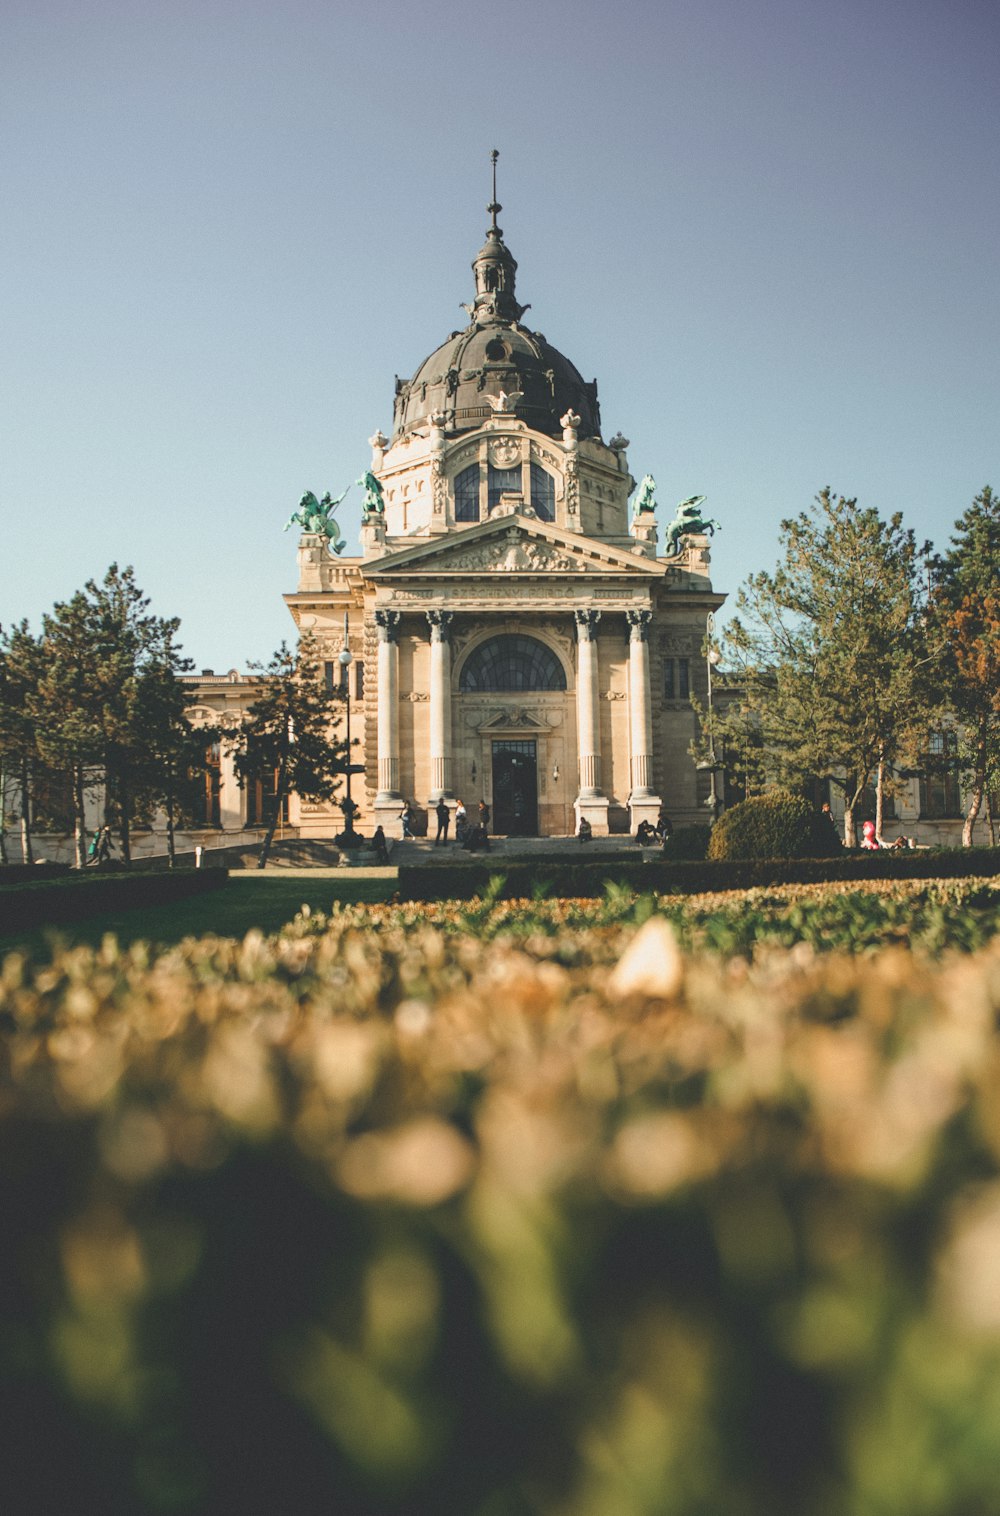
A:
<point x="512" y="662"/>
<point x="543" y="493"/>
<point x="467" y="494"/>
<point x="503" y="481"/>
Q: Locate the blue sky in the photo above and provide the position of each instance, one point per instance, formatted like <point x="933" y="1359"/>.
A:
<point x="769" y="229"/>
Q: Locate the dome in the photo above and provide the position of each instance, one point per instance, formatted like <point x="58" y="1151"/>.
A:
<point x="496" y="363"/>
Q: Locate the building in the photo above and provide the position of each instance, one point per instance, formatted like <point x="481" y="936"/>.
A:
<point x="515" y="636"/>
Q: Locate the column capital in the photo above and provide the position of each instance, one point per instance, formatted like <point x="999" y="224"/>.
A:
<point x="440" y="625"/>
<point x="387" y="623"/>
<point x="586" y="625"/>
<point x="639" y="623"/>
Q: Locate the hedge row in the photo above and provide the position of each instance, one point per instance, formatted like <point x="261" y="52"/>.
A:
<point x="527" y="878"/>
<point x="53" y="903"/>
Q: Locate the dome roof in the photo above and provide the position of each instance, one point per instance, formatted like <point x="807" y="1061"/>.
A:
<point x="496" y="359"/>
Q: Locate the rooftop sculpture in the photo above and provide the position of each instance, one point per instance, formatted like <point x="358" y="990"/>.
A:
<point x="688" y="522"/>
<point x="316" y="516"/>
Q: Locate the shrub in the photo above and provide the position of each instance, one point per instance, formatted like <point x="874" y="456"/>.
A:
<point x="689" y="842"/>
<point x="776" y="824"/>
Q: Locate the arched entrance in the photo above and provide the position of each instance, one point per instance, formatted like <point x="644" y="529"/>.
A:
<point x="509" y="663"/>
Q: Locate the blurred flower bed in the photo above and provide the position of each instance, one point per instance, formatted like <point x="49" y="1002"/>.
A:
<point x="585" y="1208"/>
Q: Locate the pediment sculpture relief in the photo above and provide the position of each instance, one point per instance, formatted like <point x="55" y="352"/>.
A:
<point x="514" y="553"/>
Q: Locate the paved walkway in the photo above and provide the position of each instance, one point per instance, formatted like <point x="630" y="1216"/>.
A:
<point x="452" y="855"/>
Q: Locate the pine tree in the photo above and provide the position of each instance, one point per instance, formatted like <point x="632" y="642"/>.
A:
<point x="286" y="733"/>
<point x="966" y="614"/>
<point x="20" y="671"/>
<point x="832" y="649"/>
<point x="173" y="750"/>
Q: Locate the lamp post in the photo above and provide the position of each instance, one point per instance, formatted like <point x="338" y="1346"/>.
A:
<point x="712" y="658"/>
<point x="348" y="837"/>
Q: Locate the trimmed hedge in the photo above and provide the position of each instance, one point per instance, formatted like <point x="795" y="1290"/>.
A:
<point x="776" y="824"/>
<point x="45" y="902"/>
<point x="528" y="878"/>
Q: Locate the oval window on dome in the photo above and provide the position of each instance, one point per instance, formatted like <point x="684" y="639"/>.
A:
<point x="512" y="662"/>
<point x="497" y="351"/>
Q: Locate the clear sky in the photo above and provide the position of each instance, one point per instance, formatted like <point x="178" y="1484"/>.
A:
<point x="770" y="228"/>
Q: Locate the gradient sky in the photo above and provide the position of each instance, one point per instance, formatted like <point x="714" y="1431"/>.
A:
<point x="770" y="228"/>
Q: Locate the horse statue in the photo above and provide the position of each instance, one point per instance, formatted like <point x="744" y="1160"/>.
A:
<point x="688" y="522"/>
<point x="374" y="504"/>
<point x="316" y="516"/>
<point x="646" y="498"/>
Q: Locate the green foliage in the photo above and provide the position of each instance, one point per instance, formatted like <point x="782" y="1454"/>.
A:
<point x="776" y="824"/>
<point x="965" y="610"/>
<point x="831" y="650"/>
<point x="286" y="735"/>
<point x="377" y="1217"/>
<point x="688" y="842"/>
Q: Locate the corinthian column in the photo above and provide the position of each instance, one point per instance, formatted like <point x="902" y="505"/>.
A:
<point x="639" y="700"/>
<point x="387" y="623"/>
<point x="588" y="728"/>
<point x="440" y="712"/>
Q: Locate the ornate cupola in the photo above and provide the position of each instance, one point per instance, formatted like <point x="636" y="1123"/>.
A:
<point x="495" y="359"/>
<point x="495" y="268"/>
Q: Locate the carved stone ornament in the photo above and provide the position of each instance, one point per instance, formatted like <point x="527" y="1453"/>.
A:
<point x="416" y="696"/>
<point x="505" y="452"/>
<point x="440" y="625"/>
<point x="586" y="625"/>
<point x="513" y="553"/>
<point x="639" y="622"/>
<point x="615" y="695"/>
<point x="439" y="487"/>
<point x="387" y="623"/>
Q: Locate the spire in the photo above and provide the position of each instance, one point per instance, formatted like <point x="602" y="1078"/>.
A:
<point x="494" y="268"/>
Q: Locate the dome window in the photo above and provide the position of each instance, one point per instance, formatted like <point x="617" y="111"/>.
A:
<point x="467" y="494"/>
<point x="503" y="481"/>
<point x="497" y="352"/>
<point x="512" y="662"/>
<point x="543" y="493"/>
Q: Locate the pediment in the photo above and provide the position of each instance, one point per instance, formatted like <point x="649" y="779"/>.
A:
<point x="511" y="718"/>
<point x="511" y="544"/>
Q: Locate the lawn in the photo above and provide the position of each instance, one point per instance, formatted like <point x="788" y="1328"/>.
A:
<point x="266" y="903"/>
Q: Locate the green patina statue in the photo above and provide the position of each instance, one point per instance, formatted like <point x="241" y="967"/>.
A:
<point x="688" y="522"/>
<point x="317" y="516"/>
<point x="646" y="498"/>
<point x="374" y="504"/>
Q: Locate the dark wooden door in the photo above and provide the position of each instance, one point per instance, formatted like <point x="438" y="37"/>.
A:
<point x="515" y="789"/>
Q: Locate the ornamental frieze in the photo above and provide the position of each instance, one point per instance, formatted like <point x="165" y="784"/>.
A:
<point x="513" y="554"/>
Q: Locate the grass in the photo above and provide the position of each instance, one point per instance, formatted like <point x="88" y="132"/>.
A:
<point x="266" y="904"/>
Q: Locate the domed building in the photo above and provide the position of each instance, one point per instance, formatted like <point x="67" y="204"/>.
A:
<point x="514" y="635"/>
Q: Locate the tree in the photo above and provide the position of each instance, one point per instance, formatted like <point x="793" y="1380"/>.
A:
<point x="97" y="646"/>
<point x="173" y="749"/>
<point x="966" y="613"/>
<point x="20" y="671"/>
<point x="286" y="733"/>
<point x="831" y="650"/>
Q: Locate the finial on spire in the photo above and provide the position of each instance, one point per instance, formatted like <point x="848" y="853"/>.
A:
<point x="494" y="208"/>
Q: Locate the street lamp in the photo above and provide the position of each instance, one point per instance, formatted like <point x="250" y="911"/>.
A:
<point x="348" y="837"/>
<point x="712" y="658"/>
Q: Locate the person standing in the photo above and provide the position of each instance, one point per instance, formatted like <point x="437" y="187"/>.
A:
<point x="461" y="821"/>
<point x="406" y="817"/>
<point x="443" y="817"/>
<point x="484" y="816"/>
<point x="829" y="826"/>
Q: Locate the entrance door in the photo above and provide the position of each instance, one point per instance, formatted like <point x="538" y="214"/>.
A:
<point x="515" y="789"/>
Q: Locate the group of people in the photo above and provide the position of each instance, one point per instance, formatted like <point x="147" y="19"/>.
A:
<point x="473" y="836"/>
<point x="658" y="834"/>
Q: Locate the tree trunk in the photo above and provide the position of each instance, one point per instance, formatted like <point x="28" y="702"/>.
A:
<point x="879" y="797"/>
<point x="169" y="797"/>
<point x="3" y="815"/>
<point x="279" y="800"/>
<point x="79" y="820"/>
<point x="27" y="851"/>
<point x="125" y="813"/>
<point x="990" y="819"/>
<point x="978" y="790"/>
